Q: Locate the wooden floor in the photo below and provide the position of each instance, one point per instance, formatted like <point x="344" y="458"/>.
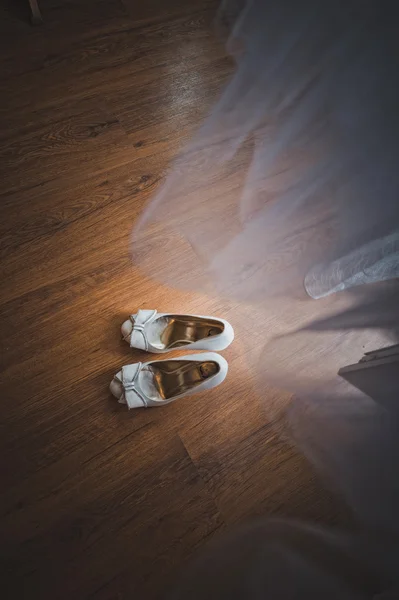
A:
<point x="98" y="502"/>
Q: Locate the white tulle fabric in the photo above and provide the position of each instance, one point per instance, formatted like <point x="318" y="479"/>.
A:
<point x="289" y="192"/>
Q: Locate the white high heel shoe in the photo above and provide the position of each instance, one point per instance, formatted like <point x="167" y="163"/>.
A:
<point x="160" y="382"/>
<point x="161" y="332"/>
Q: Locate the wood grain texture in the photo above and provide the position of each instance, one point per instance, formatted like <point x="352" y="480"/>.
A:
<point x="97" y="502"/>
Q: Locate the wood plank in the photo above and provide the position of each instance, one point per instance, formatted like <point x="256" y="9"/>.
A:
<point x="155" y="505"/>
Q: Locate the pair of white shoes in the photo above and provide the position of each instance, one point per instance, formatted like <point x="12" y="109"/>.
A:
<point x="160" y="382"/>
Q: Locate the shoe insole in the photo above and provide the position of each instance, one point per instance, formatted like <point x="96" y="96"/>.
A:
<point x="182" y="330"/>
<point x="173" y="378"/>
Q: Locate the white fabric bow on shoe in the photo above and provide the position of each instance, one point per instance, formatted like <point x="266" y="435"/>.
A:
<point x="138" y="336"/>
<point x="160" y="332"/>
<point x="133" y="396"/>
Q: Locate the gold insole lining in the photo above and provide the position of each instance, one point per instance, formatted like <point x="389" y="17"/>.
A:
<point x="173" y="378"/>
<point x="182" y="330"/>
